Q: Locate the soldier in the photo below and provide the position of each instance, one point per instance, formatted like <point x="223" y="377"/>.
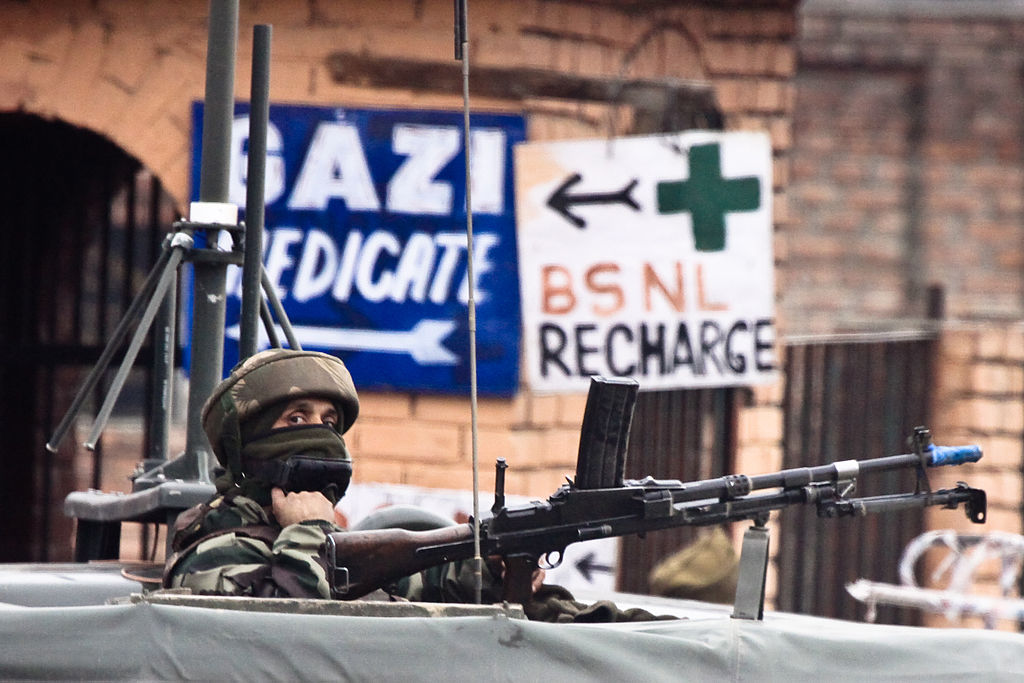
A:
<point x="280" y="413"/>
<point x="276" y="426"/>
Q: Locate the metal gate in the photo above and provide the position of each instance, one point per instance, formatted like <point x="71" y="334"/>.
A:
<point x="82" y="224"/>
<point x="850" y="397"/>
<point x="685" y="435"/>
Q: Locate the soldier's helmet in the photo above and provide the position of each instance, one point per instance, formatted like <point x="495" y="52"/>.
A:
<point x="707" y="569"/>
<point x="269" y="378"/>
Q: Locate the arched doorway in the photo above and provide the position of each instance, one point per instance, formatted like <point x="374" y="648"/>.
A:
<point x="82" y="223"/>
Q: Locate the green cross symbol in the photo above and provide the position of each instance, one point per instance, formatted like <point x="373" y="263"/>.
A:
<point x="708" y="197"/>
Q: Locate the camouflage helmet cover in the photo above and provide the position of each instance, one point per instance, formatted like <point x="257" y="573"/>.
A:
<point x="271" y="377"/>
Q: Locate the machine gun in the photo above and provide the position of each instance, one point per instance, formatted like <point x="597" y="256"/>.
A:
<point x="600" y="503"/>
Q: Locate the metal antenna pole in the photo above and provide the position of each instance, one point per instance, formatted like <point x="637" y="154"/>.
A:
<point x="462" y="53"/>
<point x="209" y="280"/>
<point x="255" y="182"/>
<point x="282" y="317"/>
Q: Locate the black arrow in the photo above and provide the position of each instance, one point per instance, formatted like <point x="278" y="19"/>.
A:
<point x="561" y="201"/>
<point x="586" y="565"/>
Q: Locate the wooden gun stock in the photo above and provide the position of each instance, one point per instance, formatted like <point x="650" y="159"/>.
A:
<point x="359" y="562"/>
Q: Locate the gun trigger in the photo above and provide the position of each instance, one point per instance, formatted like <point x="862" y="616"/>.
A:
<point x="545" y="562"/>
<point x="343" y="588"/>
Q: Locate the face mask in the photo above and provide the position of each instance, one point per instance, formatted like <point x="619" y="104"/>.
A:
<point x="303" y="458"/>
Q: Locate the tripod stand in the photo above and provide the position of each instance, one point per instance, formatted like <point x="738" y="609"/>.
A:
<point x="162" y="488"/>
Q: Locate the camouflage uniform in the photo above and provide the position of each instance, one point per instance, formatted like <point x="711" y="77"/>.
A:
<point x="233" y="546"/>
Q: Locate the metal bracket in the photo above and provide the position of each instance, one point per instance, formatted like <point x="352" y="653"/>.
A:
<point x="334" y="571"/>
<point x="749" y="602"/>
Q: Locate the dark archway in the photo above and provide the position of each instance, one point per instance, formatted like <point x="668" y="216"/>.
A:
<point x="81" y="225"/>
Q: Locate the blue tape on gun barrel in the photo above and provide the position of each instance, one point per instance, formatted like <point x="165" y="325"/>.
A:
<point x="954" y="455"/>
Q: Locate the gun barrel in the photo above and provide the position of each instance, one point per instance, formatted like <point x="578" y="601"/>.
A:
<point x="734" y="486"/>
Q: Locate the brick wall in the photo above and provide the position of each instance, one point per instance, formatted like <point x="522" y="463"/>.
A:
<point x="907" y="166"/>
<point x="980" y="391"/>
<point x="979" y="396"/>
<point x="130" y="70"/>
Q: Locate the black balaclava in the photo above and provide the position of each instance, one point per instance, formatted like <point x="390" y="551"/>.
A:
<point x="316" y="453"/>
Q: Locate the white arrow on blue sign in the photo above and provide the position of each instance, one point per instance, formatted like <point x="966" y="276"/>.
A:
<point x="423" y="342"/>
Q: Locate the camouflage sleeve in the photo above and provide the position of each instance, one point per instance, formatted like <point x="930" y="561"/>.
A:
<point x="557" y="605"/>
<point x="452" y="582"/>
<point x="235" y="563"/>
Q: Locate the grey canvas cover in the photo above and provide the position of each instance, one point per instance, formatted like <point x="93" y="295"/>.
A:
<point x="147" y="641"/>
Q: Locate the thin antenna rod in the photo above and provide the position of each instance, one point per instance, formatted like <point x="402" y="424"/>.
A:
<point x="255" y="183"/>
<point x="462" y="53"/>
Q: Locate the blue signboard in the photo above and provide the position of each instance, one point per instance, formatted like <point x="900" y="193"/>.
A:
<point x="366" y="244"/>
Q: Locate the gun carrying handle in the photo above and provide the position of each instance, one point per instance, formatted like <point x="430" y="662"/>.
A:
<point x="517" y="581"/>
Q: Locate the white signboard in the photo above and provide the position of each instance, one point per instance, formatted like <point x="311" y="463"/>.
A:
<point x="647" y="257"/>
<point x="587" y="565"/>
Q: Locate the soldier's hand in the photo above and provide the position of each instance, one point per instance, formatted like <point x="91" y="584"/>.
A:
<point x="300" y="506"/>
<point x="537" y="580"/>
